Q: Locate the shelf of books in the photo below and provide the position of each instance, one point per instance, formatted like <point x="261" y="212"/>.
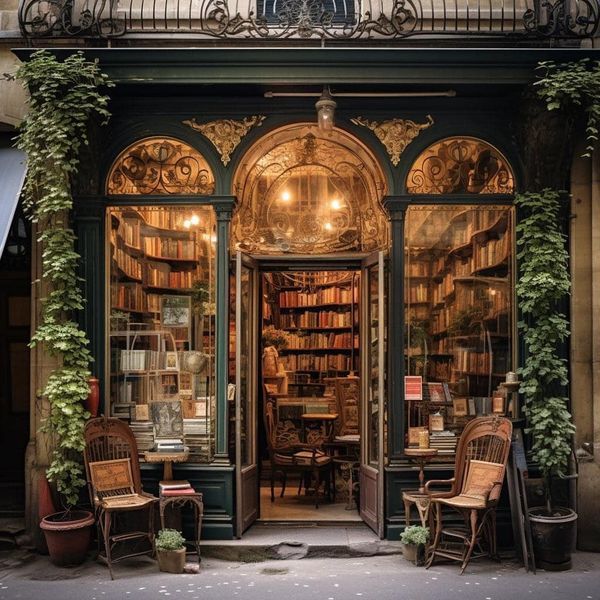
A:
<point x="321" y="322"/>
<point x="458" y="294"/>
<point x="162" y="318"/>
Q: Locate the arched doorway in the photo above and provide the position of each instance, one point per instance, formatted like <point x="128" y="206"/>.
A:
<point x="306" y="231"/>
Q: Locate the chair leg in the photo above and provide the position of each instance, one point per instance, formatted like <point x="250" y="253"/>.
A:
<point x="437" y="520"/>
<point x="474" y="533"/>
<point x="283" y="483"/>
<point x="317" y="478"/>
<point x="106" y="532"/>
<point x="272" y="482"/>
<point x="300" y="483"/>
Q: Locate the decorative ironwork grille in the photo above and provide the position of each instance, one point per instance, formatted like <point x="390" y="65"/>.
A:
<point x="309" y="194"/>
<point x="160" y="166"/>
<point x="460" y="165"/>
<point x="303" y="19"/>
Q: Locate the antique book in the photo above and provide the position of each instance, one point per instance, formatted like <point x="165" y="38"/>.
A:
<point x="413" y="387"/>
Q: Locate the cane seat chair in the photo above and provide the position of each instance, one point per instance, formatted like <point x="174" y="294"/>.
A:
<point x="481" y="458"/>
<point x="124" y="512"/>
<point x="288" y="454"/>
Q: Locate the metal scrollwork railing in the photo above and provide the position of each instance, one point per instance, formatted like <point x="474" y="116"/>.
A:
<point x="310" y="19"/>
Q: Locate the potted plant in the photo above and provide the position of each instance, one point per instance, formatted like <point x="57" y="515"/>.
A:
<point x="62" y="96"/>
<point x="543" y="285"/>
<point x="170" y="551"/>
<point x="273" y="340"/>
<point x="414" y="539"/>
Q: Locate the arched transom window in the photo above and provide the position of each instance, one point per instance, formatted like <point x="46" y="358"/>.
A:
<point x="305" y="191"/>
<point x="162" y="166"/>
<point x="461" y="165"/>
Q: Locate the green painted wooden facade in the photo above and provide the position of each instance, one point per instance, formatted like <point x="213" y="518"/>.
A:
<point x="158" y="89"/>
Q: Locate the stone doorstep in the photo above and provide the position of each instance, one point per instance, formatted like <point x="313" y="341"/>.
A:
<point x="262" y="543"/>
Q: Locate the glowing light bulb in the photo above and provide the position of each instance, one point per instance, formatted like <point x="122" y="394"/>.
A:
<point x="285" y="196"/>
<point x="336" y="204"/>
<point x="195" y="219"/>
<point x="328" y="226"/>
<point x="187" y="223"/>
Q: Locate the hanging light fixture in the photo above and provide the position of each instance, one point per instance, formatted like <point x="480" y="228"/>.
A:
<point x="325" y="106"/>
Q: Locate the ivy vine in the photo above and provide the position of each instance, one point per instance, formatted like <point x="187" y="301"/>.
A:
<point x="573" y="85"/>
<point x="63" y="95"/>
<point x="543" y="284"/>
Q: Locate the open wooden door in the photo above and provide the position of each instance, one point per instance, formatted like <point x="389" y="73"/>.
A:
<point x="246" y="371"/>
<point x="373" y="361"/>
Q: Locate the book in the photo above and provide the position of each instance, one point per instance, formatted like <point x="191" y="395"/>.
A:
<point x="413" y="387"/>
<point x="481" y="478"/>
<point x="180" y="492"/>
<point x="174" y="485"/>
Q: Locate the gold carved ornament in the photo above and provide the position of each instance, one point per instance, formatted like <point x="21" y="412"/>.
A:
<point x="226" y="134"/>
<point x="394" y="134"/>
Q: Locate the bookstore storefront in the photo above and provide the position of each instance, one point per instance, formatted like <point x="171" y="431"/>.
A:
<point x="313" y="247"/>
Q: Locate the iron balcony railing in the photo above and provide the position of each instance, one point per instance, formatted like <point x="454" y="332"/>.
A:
<point x="306" y="19"/>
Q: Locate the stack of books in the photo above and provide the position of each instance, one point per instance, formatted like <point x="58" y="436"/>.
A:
<point x="169" y="445"/>
<point x="176" y="488"/>
<point x="445" y="442"/>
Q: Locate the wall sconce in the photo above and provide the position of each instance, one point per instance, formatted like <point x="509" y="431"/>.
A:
<point x="325" y="106"/>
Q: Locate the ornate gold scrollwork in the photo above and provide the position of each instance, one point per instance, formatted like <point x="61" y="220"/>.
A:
<point x="395" y="134"/>
<point x="226" y="134"/>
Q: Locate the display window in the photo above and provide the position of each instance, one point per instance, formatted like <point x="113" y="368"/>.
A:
<point x="459" y="342"/>
<point x="161" y="321"/>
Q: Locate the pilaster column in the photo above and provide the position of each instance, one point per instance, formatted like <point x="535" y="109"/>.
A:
<point x="396" y="208"/>
<point x="223" y="208"/>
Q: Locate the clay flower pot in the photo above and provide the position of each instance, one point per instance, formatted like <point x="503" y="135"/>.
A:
<point x="68" y="536"/>
<point x="171" y="561"/>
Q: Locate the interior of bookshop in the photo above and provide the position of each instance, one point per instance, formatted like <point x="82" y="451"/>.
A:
<point x="459" y="347"/>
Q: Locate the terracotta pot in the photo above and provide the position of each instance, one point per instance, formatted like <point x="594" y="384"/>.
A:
<point x="68" y="536"/>
<point x="554" y="537"/>
<point x="171" y="561"/>
<point x="410" y="552"/>
<point x="93" y="399"/>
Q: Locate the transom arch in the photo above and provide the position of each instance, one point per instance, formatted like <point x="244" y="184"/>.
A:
<point x="460" y="164"/>
<point x="160" y="165"/>
<point x="306" y="191"/>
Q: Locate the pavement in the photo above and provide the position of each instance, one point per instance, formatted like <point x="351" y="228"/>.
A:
<point x="256" y="570"/>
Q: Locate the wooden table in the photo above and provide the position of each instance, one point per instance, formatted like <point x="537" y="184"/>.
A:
<point x="421" y="455"/>
<point x="167" y="458"/>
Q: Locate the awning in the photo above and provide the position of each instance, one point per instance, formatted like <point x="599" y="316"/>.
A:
<point x="13" y="166"/>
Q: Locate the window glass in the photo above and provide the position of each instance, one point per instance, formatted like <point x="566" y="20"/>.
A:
<point x="458" y="306"/>
<point x="162" y="319"/>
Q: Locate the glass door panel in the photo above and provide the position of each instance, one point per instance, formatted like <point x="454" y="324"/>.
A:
<point x="246" y="371"/>
<point x="373" y="381"/>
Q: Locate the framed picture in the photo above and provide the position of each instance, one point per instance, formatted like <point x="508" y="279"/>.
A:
<point x="436" y="392"/>
<point x="175" y="311"/>
<point x="461" y="408"/>
<point x="171" y="362"/>
<point x="141" y="412"/>
<point x="167" y="419"/>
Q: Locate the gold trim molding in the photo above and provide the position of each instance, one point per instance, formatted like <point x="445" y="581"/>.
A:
<point x="226" y="134"/>
<point x="394" y="134"/>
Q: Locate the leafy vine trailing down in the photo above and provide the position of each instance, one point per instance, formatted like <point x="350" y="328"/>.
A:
<point x="573" y="85"/>
<point x="543" y="284"/>
<point x="63" y="96"/>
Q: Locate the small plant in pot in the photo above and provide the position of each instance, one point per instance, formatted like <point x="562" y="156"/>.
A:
<point x="414" y="539"/>
<point x="542" y="287"/>
<point x="170" y="551"/>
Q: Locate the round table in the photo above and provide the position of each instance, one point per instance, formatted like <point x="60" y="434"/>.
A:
<point x="421" y="455"/>
<point x="167" y="458"/>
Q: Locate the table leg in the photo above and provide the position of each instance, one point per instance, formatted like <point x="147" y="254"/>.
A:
<point x="168" y="470"/>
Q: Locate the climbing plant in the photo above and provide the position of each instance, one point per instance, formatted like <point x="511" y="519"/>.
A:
<point x="573" y="86"/>
<point x="543" y="284"/>
<point x="63" y="95"/>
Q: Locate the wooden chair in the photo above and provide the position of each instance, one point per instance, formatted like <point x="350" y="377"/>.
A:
<point x="347" y="395"/>
<point x="481" y="458"/>
<point x="288" y="454"/>
<point x="110" y="453"/>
